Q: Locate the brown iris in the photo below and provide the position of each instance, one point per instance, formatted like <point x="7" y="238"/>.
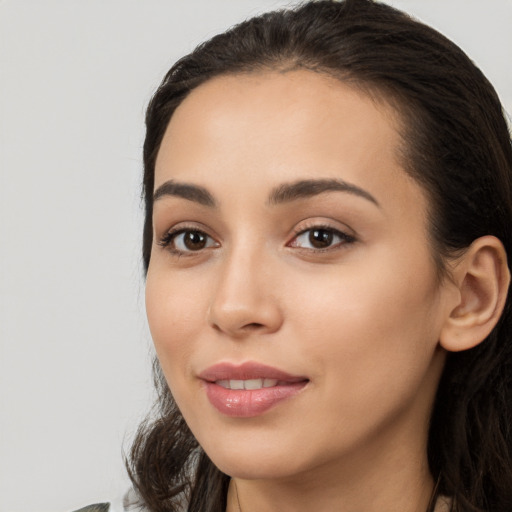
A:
<point x="194" y="240"/>
<point x="320" y="238"/>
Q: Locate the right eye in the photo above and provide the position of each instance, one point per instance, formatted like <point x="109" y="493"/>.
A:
<point x="185" y="241"/>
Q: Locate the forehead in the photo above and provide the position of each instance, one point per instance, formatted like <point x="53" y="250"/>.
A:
<point x="260" y="128"/>
<point x="276" y="111"/>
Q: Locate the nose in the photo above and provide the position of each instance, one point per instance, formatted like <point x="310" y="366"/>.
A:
<point x="245" y="299"/>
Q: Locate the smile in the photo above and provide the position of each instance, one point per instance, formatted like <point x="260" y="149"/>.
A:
<point x="250" y="389"/>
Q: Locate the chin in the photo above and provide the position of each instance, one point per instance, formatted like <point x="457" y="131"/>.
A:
<point x="261" y="457"/>
<point x="255" y="469"/>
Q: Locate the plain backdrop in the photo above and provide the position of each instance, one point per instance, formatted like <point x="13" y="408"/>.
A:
<point x="75" y="77"/>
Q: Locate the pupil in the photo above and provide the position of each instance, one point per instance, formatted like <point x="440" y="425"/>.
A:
<point x="194" y="240"/>
<point x="320" y="238"/>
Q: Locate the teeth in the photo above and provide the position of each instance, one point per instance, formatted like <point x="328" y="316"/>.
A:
<point x="247" y="384"/>
<point x="253" y="384"/>
<point x="236" y="384"/>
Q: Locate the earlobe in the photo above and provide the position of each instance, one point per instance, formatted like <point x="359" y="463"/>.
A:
<point x="483" y="278"/>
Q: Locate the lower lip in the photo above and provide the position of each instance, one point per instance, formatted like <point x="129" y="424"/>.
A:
<point x="245" y="403"/>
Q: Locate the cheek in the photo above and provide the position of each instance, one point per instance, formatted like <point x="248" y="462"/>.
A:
<point x="380" y="291"/>
<point x="175" y="317"/>
<point x="372" y="331"/>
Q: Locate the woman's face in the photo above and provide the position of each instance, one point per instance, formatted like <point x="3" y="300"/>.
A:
<point x="291" y="293"/>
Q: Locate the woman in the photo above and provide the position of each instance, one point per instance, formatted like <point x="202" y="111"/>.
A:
<point x="328" y="202"/>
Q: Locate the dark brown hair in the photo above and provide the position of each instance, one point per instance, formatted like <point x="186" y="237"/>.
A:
<point x="456" y="145"/>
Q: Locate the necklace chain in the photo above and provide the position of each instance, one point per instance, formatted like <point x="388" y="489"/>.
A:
<point x="237" y="497"/>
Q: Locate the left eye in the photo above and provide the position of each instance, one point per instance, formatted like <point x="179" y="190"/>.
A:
<point x="191" y="240"/>
<point x="320" y="238"/>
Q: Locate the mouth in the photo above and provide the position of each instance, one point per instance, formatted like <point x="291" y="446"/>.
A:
<point x="249" y="383"/>
<point x="250" y="389"/>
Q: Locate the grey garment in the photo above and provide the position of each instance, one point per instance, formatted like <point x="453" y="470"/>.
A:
<point x="99" y="507"/>
<point x="129" y="502"/>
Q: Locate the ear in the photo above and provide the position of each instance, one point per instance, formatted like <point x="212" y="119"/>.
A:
<point x="482" y="277"/>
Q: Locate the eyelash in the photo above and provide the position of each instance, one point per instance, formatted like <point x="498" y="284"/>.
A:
<point x="168" y="239"/>
<point x="345" y="238"/>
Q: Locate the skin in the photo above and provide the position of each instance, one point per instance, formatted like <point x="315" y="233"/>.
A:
<point x="361" y="318"/>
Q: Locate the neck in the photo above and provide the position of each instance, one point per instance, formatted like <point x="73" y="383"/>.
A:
<point x="398" y="491"/>
<point x="372" y="479"/>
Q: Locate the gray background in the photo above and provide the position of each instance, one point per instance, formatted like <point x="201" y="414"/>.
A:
<point x="75" y="77"/>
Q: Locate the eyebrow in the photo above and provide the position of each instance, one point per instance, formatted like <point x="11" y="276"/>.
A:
<point x="285" y="193"/>
<point x="308" y="188"/>
<point x="188" y="191"/>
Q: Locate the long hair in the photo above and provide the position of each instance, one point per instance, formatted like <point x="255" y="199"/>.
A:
<point x="455" y="144"/>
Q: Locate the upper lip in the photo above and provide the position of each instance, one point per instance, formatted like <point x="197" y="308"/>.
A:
<point x="247" y="371"/>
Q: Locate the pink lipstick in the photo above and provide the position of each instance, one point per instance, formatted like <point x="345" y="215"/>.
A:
<point x="249" y="389"/>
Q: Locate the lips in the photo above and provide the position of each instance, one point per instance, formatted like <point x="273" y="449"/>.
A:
<point x="249" y="389"/>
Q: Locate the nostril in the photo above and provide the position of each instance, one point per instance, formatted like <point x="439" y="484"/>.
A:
<point x="252" y="326"/>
